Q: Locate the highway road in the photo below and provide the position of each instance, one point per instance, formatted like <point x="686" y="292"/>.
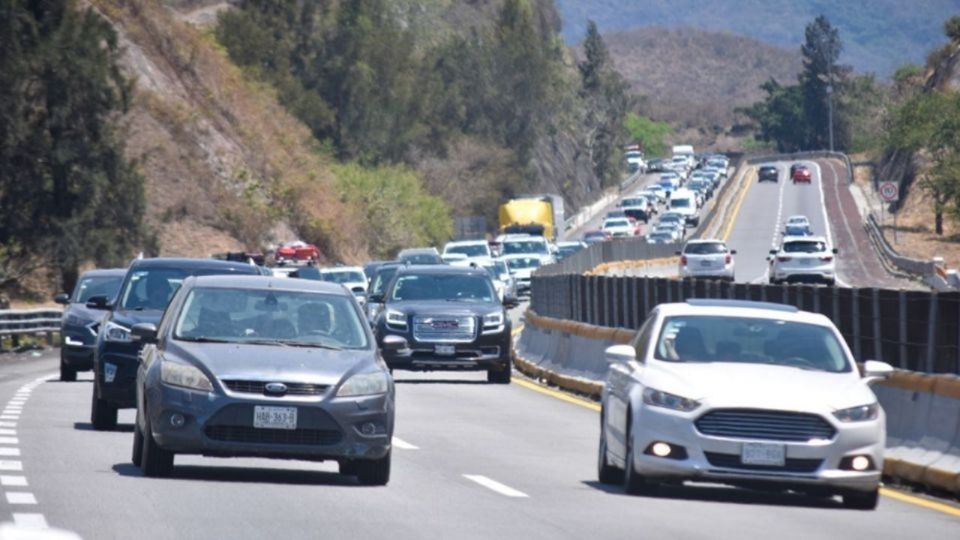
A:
<point x="758" y="221"/>
<point x="471" y="460"/>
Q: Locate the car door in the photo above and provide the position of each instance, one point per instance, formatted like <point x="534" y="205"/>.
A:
<point x="619" y="383"/>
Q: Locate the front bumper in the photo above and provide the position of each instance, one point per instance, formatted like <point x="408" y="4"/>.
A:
<point x="222" y="425"/>
<point x="78" y="357"/>
<point x="805" y="274"/>
<point x="490" y="351"/>
<point x="810" y="465"/>
<point x="121" y="360"/>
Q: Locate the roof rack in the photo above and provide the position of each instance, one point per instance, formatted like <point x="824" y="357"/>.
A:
<point x="749" y="304"/>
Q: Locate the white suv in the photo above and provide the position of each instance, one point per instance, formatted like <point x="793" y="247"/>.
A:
<point x="472" y="249"/>
<point x="707" y="259"/>
<point x="803" y="258"/>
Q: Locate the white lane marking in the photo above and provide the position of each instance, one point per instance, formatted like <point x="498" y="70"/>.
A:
<point x="12" y="432"/>
<point x="13" y="480"/>
<point x="493" y="485"/>
<point x="30" y="521"/>
<point x="10" y="465"/>
<point x="8" y="424"/>
<point x="9" y="416"/>
<point x="846" y="224"/>
<point x="9" y="440"/>
<point x="404" y="445"/>
<point x="9" y="452"/>
<point x="20" y="497"/>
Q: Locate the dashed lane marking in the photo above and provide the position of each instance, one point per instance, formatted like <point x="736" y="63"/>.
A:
<point x="20" y="497"/>
<point x="404" y="445"/>
<point x="30" y="521"/>
<point x="18" y="481"/>
<point x="493" y="485"/>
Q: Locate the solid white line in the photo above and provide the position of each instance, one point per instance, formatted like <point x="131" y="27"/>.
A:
<point x="30" y="521"/>
<point x="13" y="480"/>
<point x="20" y="497"/>
<point x="10" y="465"/>
<point x="404" y="445"/>
<point x="9" y="440"/>
<point x="9" y="432"/>
<point x="10" y="452"/>
<point x="493" y="485"/>
<point x="8" y="424"/>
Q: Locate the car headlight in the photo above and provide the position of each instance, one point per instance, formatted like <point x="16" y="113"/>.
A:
<point x="657" y="398"/>
<point x="184" y="375"/>
<point x="364" y="384"/>
<point x="115" y="332"/>
<point x="493" y="323"/>
<point x="396" y="319"/>
<point x="860" y="413"/>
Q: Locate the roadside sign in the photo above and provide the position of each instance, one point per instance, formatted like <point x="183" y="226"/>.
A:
<point x="890" y="191"/>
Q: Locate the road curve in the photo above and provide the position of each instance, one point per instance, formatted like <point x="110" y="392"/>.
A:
<point x="472" y="461"/>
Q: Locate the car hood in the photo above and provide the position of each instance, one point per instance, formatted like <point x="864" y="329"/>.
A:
<point x="81" y="315"/>
<point x="725" y="384"/>
<point x="129" y="318"/>
<point x="272" y="363"/>
<point x="440" y="308"/>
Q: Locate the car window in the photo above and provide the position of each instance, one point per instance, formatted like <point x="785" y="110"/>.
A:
<point x="705" y="248"/>
<point x="616" y="223"/>
<point x="343" y="276"/>
<point x="88" y="287"/>
<point x="381" y="279"/>
<point x="421" y="258"/>
<point x="804" y="246"/>
<point x="641" y="342"/>
<point x="295" y="317"/>
<point x="524" y="246"/>
<point x="475" y="250"/>
<point x="703" y="338"/>
<point x="680" y="203"/>
<point x="151" y="289"/>
<point x="416" y="287"/>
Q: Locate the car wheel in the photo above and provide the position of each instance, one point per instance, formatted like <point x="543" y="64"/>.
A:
<point x="373" y="472"/>
<point x="606" y="473"/>
<point x="155" y="462"/>
<point x="137" y="454"/>
<point x="103" y="415"/>
<point x="633" y="482"/>
<point x="862" y="500"/>
<point x="67" y="373"/>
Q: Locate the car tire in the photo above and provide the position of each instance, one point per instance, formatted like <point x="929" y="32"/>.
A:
<point x="633" y="482"/>
<point x="103" y="415"/>
<point x="500" y="375"/>
<point x="831" y="282"/>
<point x="136" y="456"/>
<point x="67" y="373"/>
<point x="373" y="472"/>
<point x="606" y="473"/>
<point x="155" y="462"/>
<point x="863" y="500"/>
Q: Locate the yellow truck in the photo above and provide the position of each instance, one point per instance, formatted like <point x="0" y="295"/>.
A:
<point x="535" y="214"/>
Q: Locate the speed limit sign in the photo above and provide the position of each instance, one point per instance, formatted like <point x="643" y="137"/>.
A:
<point x="890" y="191"/>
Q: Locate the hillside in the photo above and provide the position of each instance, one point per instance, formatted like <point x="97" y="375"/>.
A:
<point x="878" y="37"/>
<point x="694" y="78"/>
<point x="226" y="166"/>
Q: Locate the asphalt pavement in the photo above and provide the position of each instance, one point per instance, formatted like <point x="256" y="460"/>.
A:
<point x="471" y="460"/>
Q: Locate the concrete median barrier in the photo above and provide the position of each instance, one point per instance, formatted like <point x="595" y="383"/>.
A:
<point x="923" y="411"/>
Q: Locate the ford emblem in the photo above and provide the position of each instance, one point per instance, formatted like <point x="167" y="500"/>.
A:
<point x="275" y="388"/>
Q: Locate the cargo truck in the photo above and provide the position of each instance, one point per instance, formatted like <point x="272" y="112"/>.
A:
<point x="541" y="215"/>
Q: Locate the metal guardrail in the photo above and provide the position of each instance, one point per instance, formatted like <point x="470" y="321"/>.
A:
<point x="20" y="322"/>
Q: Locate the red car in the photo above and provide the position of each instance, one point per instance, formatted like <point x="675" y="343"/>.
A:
<point x="800" y="173"/>
<point x="296" y="252"/>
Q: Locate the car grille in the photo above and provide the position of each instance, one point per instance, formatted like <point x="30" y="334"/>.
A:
<point x="765" y="425"/>
<point x="258" y="387"/>
<point x="444" y="329"/>
<point x="792" y="465"/>
<point x="252" y="435"/>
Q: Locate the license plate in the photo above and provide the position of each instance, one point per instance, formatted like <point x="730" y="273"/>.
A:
<point x="774" y="455"/>
<point x="274" y="417"/>
<point x="706" y="263"/>
<point x="445" y="350"/>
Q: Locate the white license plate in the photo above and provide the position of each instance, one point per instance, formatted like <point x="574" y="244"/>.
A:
<point x="774" y="455"/>
<point x="445" y="350"/>
<point x="706" y="263"/>
<point x="274" y="417"/>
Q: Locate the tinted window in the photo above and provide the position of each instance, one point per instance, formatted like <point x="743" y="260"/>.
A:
<point x="422" y="258"/>
<point x="521" y="246"/>
<point x="294" y="317"/>
<point x="805" y="246"/>
<point x="707" y="248"/>
<point x="476" y="250"/>
<point x="381" y="279"/>
<point x="442" y="287"/>
<point x="701" y="338"/>
<point x="343" y="276"/>
<point x="680" y="203"/>
<point x="151" y="289"/>
<point x="88" y="287"/>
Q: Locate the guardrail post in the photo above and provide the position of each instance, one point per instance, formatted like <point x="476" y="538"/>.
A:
<point x="877" y="342"/>
<point x="931" y="333"/>
<point x="902" y="298"/>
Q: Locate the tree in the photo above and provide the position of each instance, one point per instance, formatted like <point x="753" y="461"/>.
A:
<point x="781" y="116"/>
<point x="596" y="64"/>
<point x="66" y="191"/>
<point x="822" y="75"/>
<point x="651" y="135"/>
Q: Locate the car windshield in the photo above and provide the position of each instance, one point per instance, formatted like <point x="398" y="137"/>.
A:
<point x="421" y="258"/>
<point x="661" y="236"/>
<point x="805" y="246"/>
<point x="458" y="287"/>
<point x="797" y="230"/>
<point x="670" y="218"/>
<point x="680" y="203"/>
<point x="616" y="223"/>
<point x="797" y="220"/>
<point x="238" y="315"/>
<point x="748" y="340"/>
<point x="343" y="276"/>
<point x="381" y="279"/>
<point x="521" y="263"/>
<point x="151" y="289"/>
<point x="470" y="250"/>
<point x="88" y="287"/>
<point x="524" y="246"/>
<point x="705" y="248"/>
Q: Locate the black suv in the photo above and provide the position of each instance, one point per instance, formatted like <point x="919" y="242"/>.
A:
<point x="147" y="287"/>
<point x="450" y="317"/>
<point x="768" y="172"/>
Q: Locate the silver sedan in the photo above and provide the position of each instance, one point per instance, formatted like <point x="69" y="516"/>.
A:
<point x="263" y="367"/>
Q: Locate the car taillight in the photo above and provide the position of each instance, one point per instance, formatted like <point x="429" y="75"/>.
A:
<point x="826" y="259"/>
<point x="683" y="260"/>
<point x="783" y="259"/>
<point x="729" y="259"/>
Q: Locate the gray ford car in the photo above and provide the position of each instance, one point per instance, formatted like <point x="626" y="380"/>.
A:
<point x="80" y="324"/>
<point x="263" y="367"/>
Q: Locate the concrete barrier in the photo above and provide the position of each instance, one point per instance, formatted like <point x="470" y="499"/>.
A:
<point x="923" y="411"/>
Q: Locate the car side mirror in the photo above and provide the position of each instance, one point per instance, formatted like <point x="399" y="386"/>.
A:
<point x="620" y="354"/>
<point x="375" y="298"/>
<point x="144" y="332"/>
<point x="874" y="370"/>
<point x="733" y="252"/>
<point x="773" y="252"/>
<point x="836" y="251"/>
<point x="394" y="343"/>
<point x="98" y="302"/>
<point x="62" y="298"/>
<point x="510" y="301"/>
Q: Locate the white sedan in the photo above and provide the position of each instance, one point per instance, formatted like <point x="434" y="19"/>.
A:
<point x="746" y="394"/>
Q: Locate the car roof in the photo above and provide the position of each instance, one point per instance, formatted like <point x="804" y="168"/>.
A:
<point x="267" y="283"/>
<point x="193" y="264"/>
<point x="441" y="269"/>
<point x="468" y="243"/>
<point x="706" y="241"/>
<point x="417" y="251"/>
<point x="104" y="272"/>
<point x="804" y="239"/>
<point x="331" y="269"/>
<point x="742" y="308"/>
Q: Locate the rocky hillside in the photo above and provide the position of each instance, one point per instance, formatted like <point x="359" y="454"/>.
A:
<point x="226" y="166"/>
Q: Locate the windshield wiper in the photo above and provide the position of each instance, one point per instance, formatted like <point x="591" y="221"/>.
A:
<point x="265" y="342"/>
<point x="204" y="339"/>
<point x="313" y="344"/>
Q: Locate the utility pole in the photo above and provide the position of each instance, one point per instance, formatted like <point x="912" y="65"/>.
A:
<point x="830" y="108"/>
